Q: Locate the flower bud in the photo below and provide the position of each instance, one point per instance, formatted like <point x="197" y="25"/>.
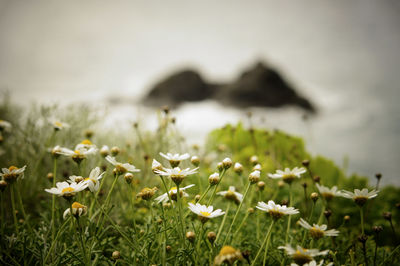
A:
<point x="305" y="163"/>
<point x="195" y="160"/>
<point x="285" y="202"/>
<point x="250" y="210"/>
<point x="327" y="213"/>
<point x="254" y="160"/>
<point x="363" y="238"/>
<point x="104" y="151"/>
<point x="220" y="166"/>
<point x="261" y="185"/>
<point x="197" y="197"/>
<point x="191" y="236"/>
<point x="257" y="167"/>
<point x="116" y="255"/>
<point x="88" y="134"/>
<point x="211" y="236"/>
<point x="346" y="218"/>
<point x="281" y="184"/>
<point x="317" y="179"/>
<point x="254" y="177"/>
<point x="168" y="248"/>
<point x="50" y="176"/>
<point x="227" y="163"/>
<point x="378" y="176"/>
<point x="213" y="179"/>
<point x="377" y="229"/>
<point x="115" y="151"/>
<point x="314" y="196"/>
<point x="165" y="109"/>
<point x="128" y="178"/>
<point x="238" y="168"/>
<point x="147" y="193"/>
<point x="387" y="216"/>
<point x="3" y="185"/>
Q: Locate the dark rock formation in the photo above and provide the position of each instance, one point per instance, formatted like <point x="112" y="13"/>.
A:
<point x="258" y="86"/>
<point x="185" y="86"/>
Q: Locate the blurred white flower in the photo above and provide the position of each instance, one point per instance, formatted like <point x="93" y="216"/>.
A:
<point x="66" y="189"/>
<point x="288" y="175"/>
<point x="121" y="168"/>
<point x="175" y="159"/>
<point x="275" y="210"/>
<point x="301" y="255"/>
<point x="231" y="194"/>
<point x="318" y="231"/>
<point x="204" y="213"/>
<point x="173" y="193"/>
<point x="329" y="193"/>
<point x="176" y="174"/>
<point x="12" y="173"/>
<point x="360" y="197"/>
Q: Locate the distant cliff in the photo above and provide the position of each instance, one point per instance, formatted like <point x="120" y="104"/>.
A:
<point x="257" y="86"/>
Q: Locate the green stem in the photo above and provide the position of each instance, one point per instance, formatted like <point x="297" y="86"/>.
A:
<point x="107" y="199"/>
<point x="362" y="220"/>
<point x="180" y="213"/>
<point x="21" y="205"/>
<point x="165" y="235"/>
<point x="289" y="218"/>
<point x="13" y="208"/>
<point x="258" y="218"/>
<point x="210" y="200"/>
<point x="204" y="194"/>
<point x="53" y="202"/>
<point x="237" y="212"/>
<point x="265" y="243"/>
<point x="241" y="224"/>
<point x="223" y="222"/>
<point x="85" y="254"/>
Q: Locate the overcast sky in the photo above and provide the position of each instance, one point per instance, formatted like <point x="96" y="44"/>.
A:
<point x="344" y="55"/>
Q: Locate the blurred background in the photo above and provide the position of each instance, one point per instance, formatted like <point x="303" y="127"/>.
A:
<point x="342" y="56"/>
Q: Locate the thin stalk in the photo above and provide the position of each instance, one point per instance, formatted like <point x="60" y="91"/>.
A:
<point x="21" y="205"/>
<point x="2" y="213"/>
<point x="107" y="199"/>
<point x="53" y="201"/>
<point x="85" y="254"/>
<point x="223" y="221"/>
<point x="376" y="248"/>
<point x="200" y="238"/>
<point x="362" y="220"/>
<point x="237" y="212"/>
<point x="265" y="243"/>
<point x="258" y="218"/>
<point x="180" y="213"/>
<point x="290" y="217"/>
<point x="204" y="193"/>
<point x="13" y="208"/>
<point x="241" y="224"/>
<point x="165" y="235"/>
<point x="394" y="232"/>
<point x="365" y="254"/>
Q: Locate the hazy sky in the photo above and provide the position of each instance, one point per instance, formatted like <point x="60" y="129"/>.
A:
<point x="344" y="55"/>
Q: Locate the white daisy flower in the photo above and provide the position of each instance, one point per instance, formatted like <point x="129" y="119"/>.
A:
<point x="173" y="193"/>
<point x="288" y="175"/>
<point x="204" y="213"/>
<point x="329" y="193"/>
<point x="93" y="180"/>
<point x="313" y="263"/>
<point x="77" y="210"/>
<point x="318" y="231"/>
<point x="228" y="254"/>
<point x="85" y="145"/>
<point x="176" y="174"/>
<point x="360" y="197"/>
<point x="76" y="155"/>
<point x="275" y="210"/>
<point x="5" y="125"/>
<point x="121" y="168"/>
<point x="301" y="255"/>
<point x="59" y="125"/>
<point x="67" y="190"/>
<point x="175" y="159"/>
<point x="12" y="173"/>
<point x="231" y="194"/>
<point x="155" y="165"/>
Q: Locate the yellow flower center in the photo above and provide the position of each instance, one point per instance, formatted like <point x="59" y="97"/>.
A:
<point x="327" y="195"/>
<point x="227" y="250"/>
<point x="67" y="190"/>
<point x="58" y="124"/>
<point x="275" y="214"/>
<point x="171" y="191"/>
<point x="360" y="200"/>
<point x="86" y="142"/>
<point x="91" y="179"/>
<point x="206" y="214"/>
<point x="77" y="205"/>
<point x="120" y="169"/>
<point x="12" y="168"/>
<point x="301" y="258"/>
<point x="78" y="152"/>
<point x="288" y="178"/>
<point x="316" y="233"/>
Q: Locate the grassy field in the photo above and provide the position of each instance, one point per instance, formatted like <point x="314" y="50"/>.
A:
<point x="122" y="213"/>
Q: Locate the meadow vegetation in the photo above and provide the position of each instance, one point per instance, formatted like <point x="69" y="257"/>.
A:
<point x="273" y="203"/>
